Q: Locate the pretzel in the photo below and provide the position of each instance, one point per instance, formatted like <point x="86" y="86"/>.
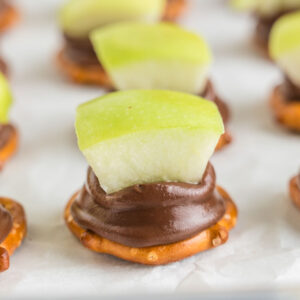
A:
<point x="224" y="140"/>
<point x="83" y="74"/>
<point x="17" y="233"/>
<point x="295" y="190"/>
<point x="287" y="113"/>
<point x="8" y="17"/>
<point x="9" y="148"/>
<point x="174" y="9"/>
<point x="157" y="255"/>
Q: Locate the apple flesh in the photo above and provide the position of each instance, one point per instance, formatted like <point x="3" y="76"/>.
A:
<point x="139" y="136"/>
<point x="153" y="56"/>
<point x="285" y="45"/>
<point x="5" y="99"/>
<point x="78" y="17"/>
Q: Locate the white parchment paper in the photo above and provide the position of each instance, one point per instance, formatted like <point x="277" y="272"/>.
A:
<point x="263" y="251"/>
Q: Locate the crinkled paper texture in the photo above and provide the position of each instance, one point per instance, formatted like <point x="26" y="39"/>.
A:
<point x="263" y="251"/>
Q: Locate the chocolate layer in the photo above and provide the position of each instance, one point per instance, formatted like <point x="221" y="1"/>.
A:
<point x="149" y="214"/>
<point x="6" y="223"/>
<point x="210" y="94"/>
<point x="6" y="132"/>
<point x="290" y="91"/>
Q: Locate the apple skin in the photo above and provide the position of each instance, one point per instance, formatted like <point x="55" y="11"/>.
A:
<point x="78" y="18"/>
<point x="142" y="136"/>
<point x="5" y="99"/>
<point x="153" y="56"/>
<point x="285" y="45"/>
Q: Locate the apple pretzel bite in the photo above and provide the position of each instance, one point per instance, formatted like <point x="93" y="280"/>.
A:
<point x="295" y="190"/>
<point x="8" y="16"/>
<point x="158" y="255"/>
<point x="9" y="144"/>
<point x="286" y="112"/>
<point x="17" y="233"/>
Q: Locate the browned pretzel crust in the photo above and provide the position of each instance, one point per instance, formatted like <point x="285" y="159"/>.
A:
<point x="295" y="190"/>
<point x="224" y="140"/>
<point x="286" y="113"/>
<point x="9" y="148"/>
<point x="17" y="233"/>
<point x="174" y="9"/>
<point x="8" y="17"/>
<point x="158" y="255"/>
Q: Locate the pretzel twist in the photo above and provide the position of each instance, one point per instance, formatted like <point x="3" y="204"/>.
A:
<point x="9" y="148"/>
<point x="17" y="233"/>
<point x="295" y="190"/>
<point x="286" y="113"/>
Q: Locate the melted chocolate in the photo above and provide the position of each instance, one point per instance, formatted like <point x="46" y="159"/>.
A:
<point x="6" y="223"/>
<point x="6" y="131"/>
<point x="290" y="91"/>
<point x="210" y="94"/>
<point x="149" y="214"/>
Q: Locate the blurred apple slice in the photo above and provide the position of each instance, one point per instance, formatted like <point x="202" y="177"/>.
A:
<point x="5" y="99"/>
<point x="140" y="136"/>
<point x="78" y="17"/>
<point x="285" y="45"/>
<point x="153" y="56"/>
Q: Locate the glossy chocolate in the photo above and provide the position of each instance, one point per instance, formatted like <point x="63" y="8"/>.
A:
<point x="6" y="223"/>
<point x="149" y="214"/>
<point x="290" y="91"/>
<point x="6" y="132"/>
<point x="210" y="94"/>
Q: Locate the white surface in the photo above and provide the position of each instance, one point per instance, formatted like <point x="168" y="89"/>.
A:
<point x="264" y="249"/>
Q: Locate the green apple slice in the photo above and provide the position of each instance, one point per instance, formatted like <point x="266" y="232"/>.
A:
<point x="285" y="45"/>
<point x="142" y="136"/>
<point x="78" y="17"/>
<point x="5" y="99"/>
<point x="153" y="56"/>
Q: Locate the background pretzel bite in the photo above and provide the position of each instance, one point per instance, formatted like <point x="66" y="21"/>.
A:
<point x="8" y="17"/>
<point x="9" y="148"/>
<point x="17" y="233"/>
<point x="158" y="255"/>
<point x="287" y="113"/>
<point x="295" y="190"/>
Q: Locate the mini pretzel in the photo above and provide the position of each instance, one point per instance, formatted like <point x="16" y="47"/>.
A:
<point x="295" y="190"/>
<point x="83" y="74"/>
<point x="8" y="17"/>
<point x="9" y="148"/>
<point x="17" y="233"/>
<point x="287" y="113"/>
<point x="158" y="255"/>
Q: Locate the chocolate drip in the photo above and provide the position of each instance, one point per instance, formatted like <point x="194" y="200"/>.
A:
<point x="149" y="214"/>
<point x="6" y="131"/>
<point x="210" y="94"/>
<point x="6" y="223"/>
<point x="290" y="91"/>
